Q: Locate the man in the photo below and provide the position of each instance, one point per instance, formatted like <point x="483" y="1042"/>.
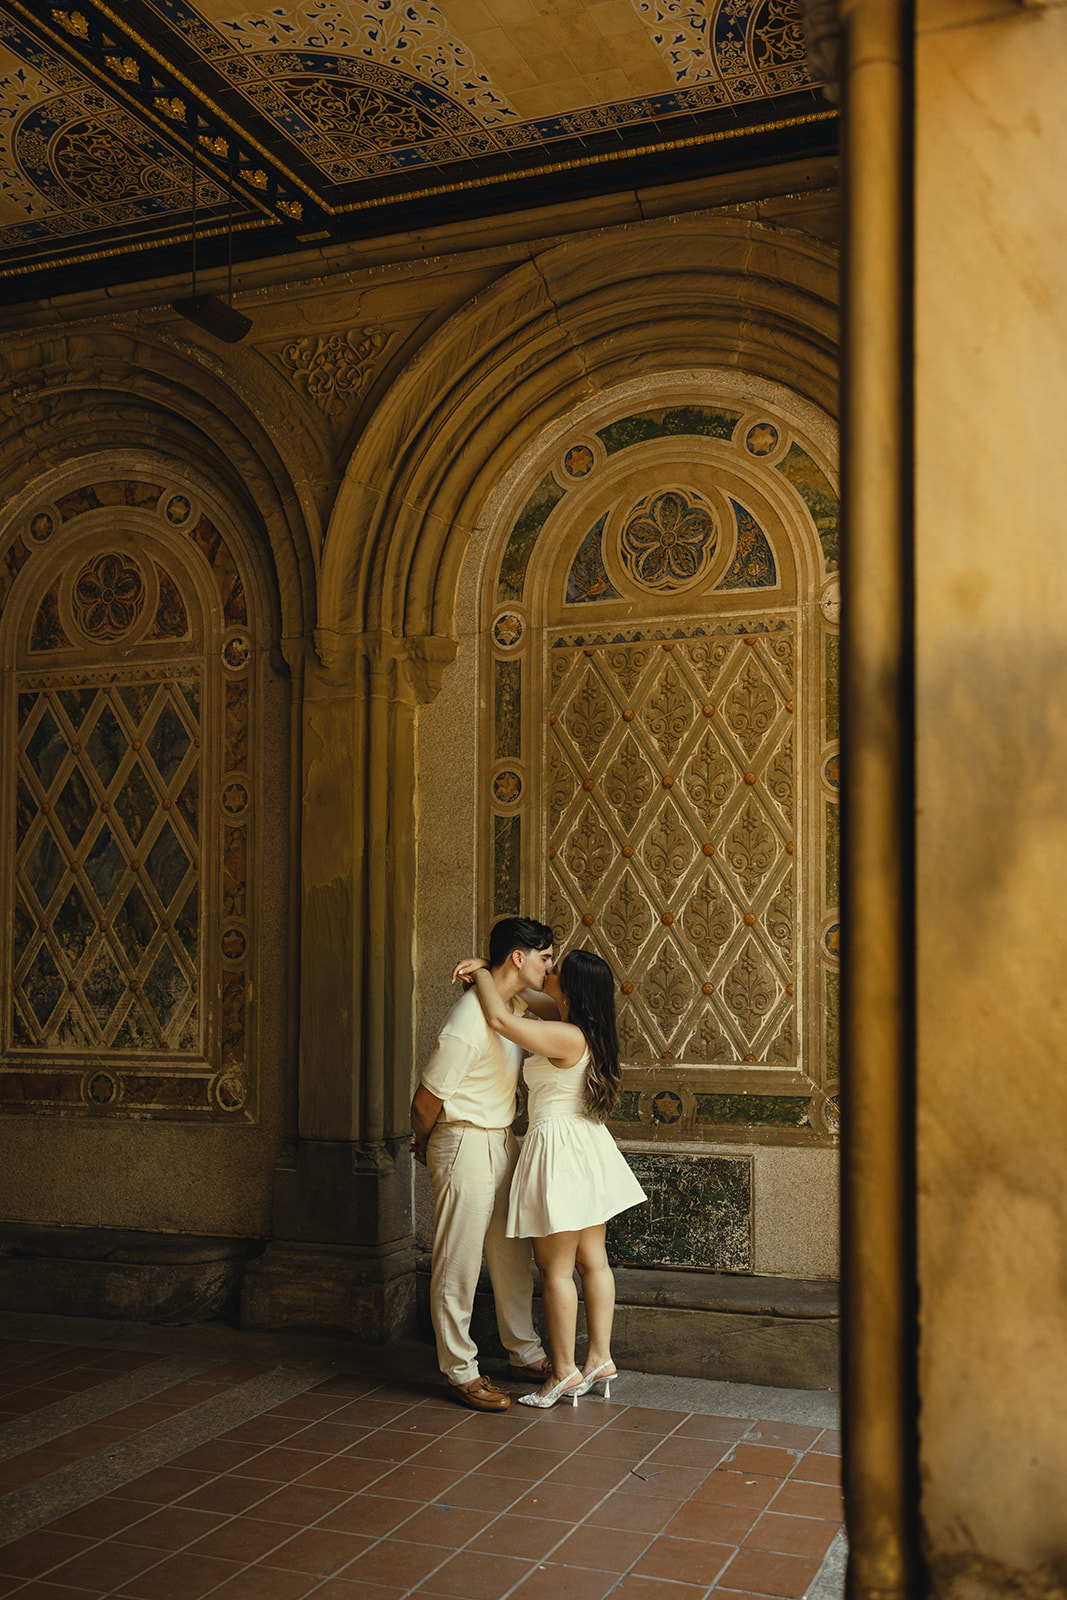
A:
<point x="461" y="1119"/>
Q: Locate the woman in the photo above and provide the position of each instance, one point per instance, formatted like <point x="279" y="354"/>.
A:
<point x="570" y="1178"/>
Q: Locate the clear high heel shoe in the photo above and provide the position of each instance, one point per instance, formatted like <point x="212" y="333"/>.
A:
<point x="601" y="1375"/>
<point x="559" y="1390"/>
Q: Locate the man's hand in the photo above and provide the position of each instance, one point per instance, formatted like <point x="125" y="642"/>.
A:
<point x="425" y="1110"/>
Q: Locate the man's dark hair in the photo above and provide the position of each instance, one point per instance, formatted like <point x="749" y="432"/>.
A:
<point x="517" y="933"/>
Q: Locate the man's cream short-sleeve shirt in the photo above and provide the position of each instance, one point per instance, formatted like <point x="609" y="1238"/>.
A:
<point x="473" y="1069"/>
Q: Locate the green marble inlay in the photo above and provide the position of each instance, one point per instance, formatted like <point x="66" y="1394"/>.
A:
<point x="507" y="839"/>
<point x="833" y="856"/>
<point x="697" y="1214"/>
<point x="754" y="1110"/>
<point x="817" y="494"/>
<point x="628" y="1108"/>
<point x="507" y="709"/>
<point x="833" y="1023"/>
<point x="523" y="537"/>
<point x="707" y="421"/>
<point x="833" y="661"/>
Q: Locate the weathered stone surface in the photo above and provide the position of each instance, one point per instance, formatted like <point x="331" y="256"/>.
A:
<point x="364" y="1292"/>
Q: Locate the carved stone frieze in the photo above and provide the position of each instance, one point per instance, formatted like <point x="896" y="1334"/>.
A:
<point x="561" y="785"/>
<point x="709" y="780"/>
<point x="780" y="779"/>
<point x="627" y="920"/>
<point x="783" y="1051"/>
<point x="668" y="849"/>
<point x="708" y="1042"/>
<point x="750" y="707"/>
<point x="750" y="989"/>
<point x="560" y="915"/>
<point x="780" y="919"/>
<point x="589" y="717"/>
<point x="588" y="851"/>
<point x="634" y="1047"/>
<point x="558" y="668"/>
<point x="669" y="713"/>
<point x="708" y="919"/>
<point x="667" y="989"/>
<point x="780" y="646"/>
<point x="750" y="848"/>
<point x="628" y="663"/>
<point x="334" y="369"/>
<point x="628" y="783"/>
<point x="707" y="657"/>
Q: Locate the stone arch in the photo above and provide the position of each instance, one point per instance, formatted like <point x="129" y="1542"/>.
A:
<point x="575" y="319"/>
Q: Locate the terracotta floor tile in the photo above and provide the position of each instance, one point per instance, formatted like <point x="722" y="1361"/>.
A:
<point x="551" y="1582"/>
<point x="398" y="1562"/>
<point x="604" y="1549"/>
<point x="829" y="1441"/>
<point x="792" y="1536"/>
<point x="818" y="1468"/>
<point x="307" y="1407"/>
<point x="411" y="1482"/>
<point x="522" y="1461"/>
<point x="638" y="1588"/>
<point x="106" y="1566"/>
<point x="267" y="1583"/>
<point x="732" y="1488"/>
<point x="687" y="1560"/>
<point x="558" y="1502"/>
<point x="449" y="1526"/>
<point x="170" y="1529"/>
<point x="243" y="1539"/>
<point x="299" y="1503"/>
<point x="426" y="1419"/>
<point x="350" y="1473"/>
<point x="230" y="1494"/>
<point x="44" y="1589"/>
<point x="165" y="1484"/>
<point x="265" y="1431"/>
<point x="8" y="1584"/>
<point x="764" y="1573"/>
<point x="469" y="1576"/>
<point x="345" y="1383"/>
<point x="370" y="1516"/>
<point x="180" y="1577"/>
<point x="590" y="1472"/>
<point x="31" y="1466"/>
<point x="674" y="1452"/>
<point x="480" y="1491"/>
<point x="280" y="1464"/>
<point x="556" y="1432"/>
<point x="369" y="1413"/>
<point x="665" y="1483"/>
<point x="345" y="1589"/>
<point x="328" y="1438"/>
<point x="320" y="1550"/>
<point x="387" y="1444"/>
<point x="639" y="1513"/>
<point x="145" y="1414"/>
<point x="527" y="1538"/>
<point x="764" y="1460"/>
<point x="217" y="1455"/>
<point x="641" y="1419"/>
<point x="810" y="1500"/>
<point x="101" y="1518"/>
<point x="728" y="1428"/>
<point x="703" y="1519"/>
<point x="790" y="1435"/>
<point x="623" y="1444"/>
<point x="463" y="1455"/>
<point x="39" y="1552"/>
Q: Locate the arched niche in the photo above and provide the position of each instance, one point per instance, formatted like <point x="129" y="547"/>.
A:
<point x="146" y="957"/>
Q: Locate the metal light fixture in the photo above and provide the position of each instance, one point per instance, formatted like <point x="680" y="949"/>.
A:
<point x="215" y="316"/>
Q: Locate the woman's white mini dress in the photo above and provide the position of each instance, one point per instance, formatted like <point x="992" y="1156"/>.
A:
<point x="570" y="1173"/>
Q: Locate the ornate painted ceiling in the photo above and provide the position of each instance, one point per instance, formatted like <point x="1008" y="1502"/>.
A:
<point x="292" y="124"/>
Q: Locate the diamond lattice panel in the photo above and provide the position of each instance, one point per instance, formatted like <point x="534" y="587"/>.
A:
<point x="671" y="798"/>
<point x="107" y="910"/>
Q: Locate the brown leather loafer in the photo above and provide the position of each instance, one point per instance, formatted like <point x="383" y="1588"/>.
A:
<point x="535" y="1374"/>
<point x="480" y="1395"/>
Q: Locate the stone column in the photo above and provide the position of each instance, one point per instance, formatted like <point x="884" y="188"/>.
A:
<point x="342" y="1254"/>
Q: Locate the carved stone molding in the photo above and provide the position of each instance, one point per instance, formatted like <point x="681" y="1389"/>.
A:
<point x="334" y="369"/>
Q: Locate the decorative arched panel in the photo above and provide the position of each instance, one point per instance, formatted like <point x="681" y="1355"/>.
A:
<point x="129" y="636"/>
<point x="661" y="749"/>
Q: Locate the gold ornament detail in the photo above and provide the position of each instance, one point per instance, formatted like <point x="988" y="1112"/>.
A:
<point x="633" y="1046"/>
<point x="707" y="1042"/>
<point x="779" y="779"/>
<point x="108" y="597"/>
<point x="334" y="369"/>
<point x="359" y="119"/>
<point x="709" y="780"/>
<point x="749" y="848"/>
<point x="708" y="919"/>
<point x="628" y="664"/>
<point x="628" y="784"/>
<point x="627" y="920"/>
<point x="707" y="660"/>
<point x="750" y="990"/>
<point x="588" y="851"/>
<point x="669" y="713"/>
<point x="588" y="718"/>
<point x="750" y="708"/>
<point x="667" y="989"/>
<point x="668" y="850"/>
<point x="780" y="918"/>
<point x="561" y="786"/>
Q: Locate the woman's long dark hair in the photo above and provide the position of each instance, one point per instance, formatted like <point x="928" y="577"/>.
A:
<point x="589" y="990"/>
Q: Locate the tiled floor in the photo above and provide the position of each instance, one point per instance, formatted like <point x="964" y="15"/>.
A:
<point x="359" y="1485"/>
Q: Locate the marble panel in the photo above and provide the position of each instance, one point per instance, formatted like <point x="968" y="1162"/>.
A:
<point x="698" y="1213"/>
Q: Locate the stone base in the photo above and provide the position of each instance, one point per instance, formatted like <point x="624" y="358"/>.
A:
<point x="365" y="1291"/>
<point x="108" y="1272"/>
<point x="781" y="1333"/>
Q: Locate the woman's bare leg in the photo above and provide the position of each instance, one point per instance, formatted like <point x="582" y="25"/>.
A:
<point x="598" y="1290"/>
<point x="554" y="1255"/>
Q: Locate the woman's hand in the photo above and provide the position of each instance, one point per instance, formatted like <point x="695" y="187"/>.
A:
<point x="466" y="969"/>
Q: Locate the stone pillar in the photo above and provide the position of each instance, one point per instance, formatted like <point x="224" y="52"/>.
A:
<point x="991" y="667"/>
<point x="342" y="1254"/>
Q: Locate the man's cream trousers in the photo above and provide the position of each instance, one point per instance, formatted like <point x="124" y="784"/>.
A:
<point x="470" y="1169"/>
